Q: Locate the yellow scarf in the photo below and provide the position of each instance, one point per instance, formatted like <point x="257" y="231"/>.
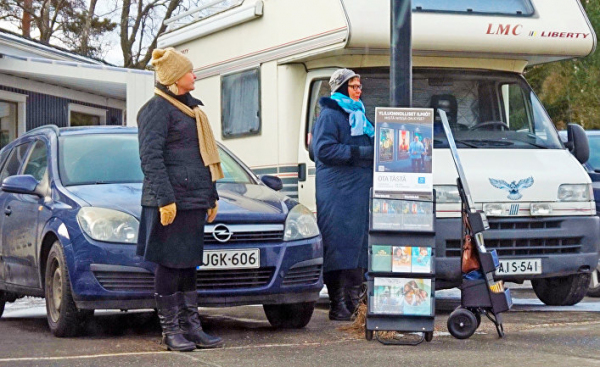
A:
<point x="206" y="139"/>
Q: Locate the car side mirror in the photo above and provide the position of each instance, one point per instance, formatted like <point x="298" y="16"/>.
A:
<point x="273" y="182"/>
<point x="577" y="142"/>
<point x="22" y="184"/>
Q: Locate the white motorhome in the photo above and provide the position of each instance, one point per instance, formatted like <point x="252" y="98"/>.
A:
<point x="262" y="65"/>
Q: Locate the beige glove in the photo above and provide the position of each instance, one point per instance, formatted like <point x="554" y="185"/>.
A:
<point x="167" y="214"/>
<point x="212" y="212"/>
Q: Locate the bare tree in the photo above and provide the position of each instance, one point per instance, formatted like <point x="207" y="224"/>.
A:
<point x="141" y="24"/>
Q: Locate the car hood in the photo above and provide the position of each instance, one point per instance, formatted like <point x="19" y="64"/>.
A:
<point x="238" y="202"/>
<point x="543" y="169"/>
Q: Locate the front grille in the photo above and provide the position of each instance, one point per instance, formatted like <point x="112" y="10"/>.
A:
<point x="248" y="236"/>
<point x="304" y="275"/>
<point x="524" y="246"/>
<point x="233" y="279"/>
<point x="120" y="281"/>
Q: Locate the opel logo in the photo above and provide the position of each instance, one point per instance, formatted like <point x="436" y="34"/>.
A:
<point x="221" y="233"/>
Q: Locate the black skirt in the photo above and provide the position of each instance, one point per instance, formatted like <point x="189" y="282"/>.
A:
<point x="178" y="245"/>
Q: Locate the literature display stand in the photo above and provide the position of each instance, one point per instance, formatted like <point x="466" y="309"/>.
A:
<point x="401" y="274"/>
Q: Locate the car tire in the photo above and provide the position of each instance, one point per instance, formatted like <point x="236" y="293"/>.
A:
<point x="594" y="287"/>
<point x="64" y="319"/>
<point x="289" y="316"/>
<point x="562" y="291"/>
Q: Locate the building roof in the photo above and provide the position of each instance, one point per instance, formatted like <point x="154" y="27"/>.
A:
<point x="17" y="45"/>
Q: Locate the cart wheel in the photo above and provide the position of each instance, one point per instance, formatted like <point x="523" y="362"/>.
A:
<point x="477" y="316"/>
<point x="462" y="323"/>
<point x="428" y="336"/>
<point x="369" y="334"/>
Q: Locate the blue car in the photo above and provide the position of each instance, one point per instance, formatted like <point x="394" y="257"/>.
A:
<point x="592" y="166"/>
<point x="71" y="203"/>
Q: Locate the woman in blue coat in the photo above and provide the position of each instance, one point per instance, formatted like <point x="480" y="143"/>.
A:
<point x="343" y="152"/>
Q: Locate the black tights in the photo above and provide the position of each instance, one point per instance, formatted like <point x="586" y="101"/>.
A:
<point x="171" y="280"/>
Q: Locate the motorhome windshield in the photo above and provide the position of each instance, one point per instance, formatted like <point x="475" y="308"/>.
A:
<point x="485" y="110"/>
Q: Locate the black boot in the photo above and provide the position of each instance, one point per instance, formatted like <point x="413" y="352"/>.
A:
<point x="191" y="326"/>
<point x="353" y="297"/>
<point x="168" y="312"/>
<point x="337" y="309"/>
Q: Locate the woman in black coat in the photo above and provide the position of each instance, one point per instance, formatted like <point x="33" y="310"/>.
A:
<point x="343" y="151"/>
<point x="179" y="158"/>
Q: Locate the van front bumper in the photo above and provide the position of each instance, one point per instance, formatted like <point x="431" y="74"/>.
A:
<point x="565" y="245"/>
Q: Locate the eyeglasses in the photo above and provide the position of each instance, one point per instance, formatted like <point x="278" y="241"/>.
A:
<point x="355" y="86"/>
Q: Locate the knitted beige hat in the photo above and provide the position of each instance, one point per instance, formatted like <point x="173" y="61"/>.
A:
<point x="170" y="65"/>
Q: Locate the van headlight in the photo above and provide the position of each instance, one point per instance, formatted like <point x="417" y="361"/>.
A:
<point x="300" y="223"/>
<point x="108" y="225"/>
<point x="446" y="194"/>
<point x="575" y="192"/>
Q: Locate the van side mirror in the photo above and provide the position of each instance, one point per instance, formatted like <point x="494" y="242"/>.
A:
<point x="272" y="182"/>
<point x="22" y="184"/>
<point x="577" y="143"/>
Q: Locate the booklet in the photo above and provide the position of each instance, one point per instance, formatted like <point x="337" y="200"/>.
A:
<point x="421" y="259"/>
<point x="401" y="259"/>
<point x="381" y="258"/>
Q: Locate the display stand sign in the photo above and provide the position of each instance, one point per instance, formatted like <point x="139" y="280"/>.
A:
<point x="403" y="158"/>
<point x="401" y="276"/>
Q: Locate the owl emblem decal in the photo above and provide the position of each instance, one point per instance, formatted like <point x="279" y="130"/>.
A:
<point x="513" y="188"/>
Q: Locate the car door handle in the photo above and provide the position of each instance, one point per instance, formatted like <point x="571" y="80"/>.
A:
<point x="8" y="211"/>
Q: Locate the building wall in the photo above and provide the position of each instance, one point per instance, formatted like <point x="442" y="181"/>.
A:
<point x="43" y="109"/>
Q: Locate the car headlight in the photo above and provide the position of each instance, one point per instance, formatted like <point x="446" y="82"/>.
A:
<point x="300" y="223"/>
<point x="446" y="194"/>
<point x="575" y="192"/>
<point x="108" y="225"/>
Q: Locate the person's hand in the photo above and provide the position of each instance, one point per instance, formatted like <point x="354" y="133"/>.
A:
<point x="212" y="212"/>
<point x="167" y="214"/>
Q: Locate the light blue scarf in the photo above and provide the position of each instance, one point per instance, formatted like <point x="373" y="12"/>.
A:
<point x="359" y="124"/>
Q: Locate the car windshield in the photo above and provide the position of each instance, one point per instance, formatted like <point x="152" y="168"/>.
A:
<point x="485" y="110"/>
<point x="114" y="158"/>
<point x="594" y="161"/>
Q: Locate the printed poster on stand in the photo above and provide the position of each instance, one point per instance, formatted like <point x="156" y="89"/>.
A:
<point x="403" y="153"/>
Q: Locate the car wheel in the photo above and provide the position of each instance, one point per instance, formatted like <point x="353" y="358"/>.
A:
<point x="64" y="319"/>
<point x="594" y="288"/>
<point x="289" y="316"/>
<point x="561" y="291"/>
<point x="2" y="303"/>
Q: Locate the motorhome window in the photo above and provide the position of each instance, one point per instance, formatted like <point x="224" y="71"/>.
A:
<point x="496" y="7"/>
<point x="240" y="104"/>
<point x="318" y="88"/>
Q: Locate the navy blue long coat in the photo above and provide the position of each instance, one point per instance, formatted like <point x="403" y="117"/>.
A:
<point x="344" y="177"/>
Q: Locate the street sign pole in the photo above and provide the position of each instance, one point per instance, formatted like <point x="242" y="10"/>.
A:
<point x="401" y="53"/>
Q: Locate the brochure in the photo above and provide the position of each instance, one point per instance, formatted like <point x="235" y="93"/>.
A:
<point x="401" y="296"/>
<point x="421" y="259"/>
<point x="381" y="258"/>
<point x="401" y="260"/>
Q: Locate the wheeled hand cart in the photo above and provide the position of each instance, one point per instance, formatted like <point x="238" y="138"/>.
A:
<point x="480" y="294"/>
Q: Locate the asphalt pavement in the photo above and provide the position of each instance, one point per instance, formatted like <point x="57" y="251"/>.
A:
<point x="536" y="335"/>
